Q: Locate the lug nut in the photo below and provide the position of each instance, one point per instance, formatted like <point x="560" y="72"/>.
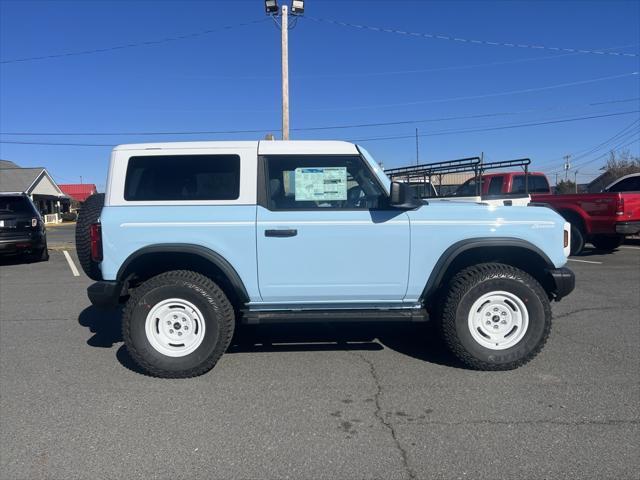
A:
<point x="503" y="313"/>
<point x="495" y="326"/>
<point x="488" y="322"/>
<point x="488" y="314"/>
<point x="170" y="330"/>
<point x="179" y="334"/>
<point x="495" y="309"/>
<point x="504" y="322"/>
<point x="168" y="322"/>
<point x="186" y="327"/>
<point x="175" y="316"/>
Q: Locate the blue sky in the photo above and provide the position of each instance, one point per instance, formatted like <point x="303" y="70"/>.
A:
<point x="229" y="79"/>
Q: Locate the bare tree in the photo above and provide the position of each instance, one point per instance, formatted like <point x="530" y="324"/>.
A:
<point x="619" y="164"/>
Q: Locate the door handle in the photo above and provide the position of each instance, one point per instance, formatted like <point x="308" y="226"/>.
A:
<point x="281" y="233"/>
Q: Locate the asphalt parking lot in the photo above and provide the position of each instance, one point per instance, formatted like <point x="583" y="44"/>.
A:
<point x="317" y="401"/>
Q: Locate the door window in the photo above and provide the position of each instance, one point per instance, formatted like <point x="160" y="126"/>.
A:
<point x="495" y="185"/>
<point x="311" y="182"/>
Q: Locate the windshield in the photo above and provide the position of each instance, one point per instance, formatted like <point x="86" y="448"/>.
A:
<point x="15" y="205"/>
<point x="376" y="168"/>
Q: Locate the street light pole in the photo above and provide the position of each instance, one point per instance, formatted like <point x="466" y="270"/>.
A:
<point x="285" y="72"/>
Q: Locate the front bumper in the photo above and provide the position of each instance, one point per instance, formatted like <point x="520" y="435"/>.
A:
<point x="22" y="242"/>
<point x="628" y="228"/>
<point x="564" y="282"/>
<point x="105" y="293"/>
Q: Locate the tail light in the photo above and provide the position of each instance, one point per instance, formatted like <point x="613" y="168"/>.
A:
<point x="566" y="239"/>
<point x="95" y="235"/>
<point x="620" y="205"/>
<point x="34" y="222"/>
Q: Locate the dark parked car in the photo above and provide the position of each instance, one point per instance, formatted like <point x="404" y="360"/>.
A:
<point x="21" y="228"/>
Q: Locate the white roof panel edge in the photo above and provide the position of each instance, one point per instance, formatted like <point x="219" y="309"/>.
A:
<point x="292" y="147"/>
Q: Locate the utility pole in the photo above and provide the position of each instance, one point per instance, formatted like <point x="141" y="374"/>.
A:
<point x="417" y="151"/>
<point x="285" y="72"/>
<point x="297" y="10"/>
<point x="575" y="179"/>
<point x="80" y="179"/>
<point x="567" y="166"/>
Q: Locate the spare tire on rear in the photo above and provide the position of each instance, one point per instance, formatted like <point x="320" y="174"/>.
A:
<point x="89" y="214"/>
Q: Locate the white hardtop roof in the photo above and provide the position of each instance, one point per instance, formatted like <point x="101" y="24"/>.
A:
<point x="265" y="147"/>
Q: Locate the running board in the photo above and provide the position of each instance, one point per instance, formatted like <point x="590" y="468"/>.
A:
<point x="335" y="315"/>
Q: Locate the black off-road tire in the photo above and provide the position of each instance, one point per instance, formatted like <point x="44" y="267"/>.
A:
<point x="201" y="291"/>
<point x="577" y="240"/>
<point x="467" y="287"/>
<point x="607" y="243"/>
<point x="89" y="214"/>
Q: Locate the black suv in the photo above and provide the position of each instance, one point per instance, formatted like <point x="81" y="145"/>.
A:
<point x="21" y="228"/>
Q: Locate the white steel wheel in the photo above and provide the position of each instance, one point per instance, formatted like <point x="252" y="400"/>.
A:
<point x="498" y="320"/>
<point x="175" y="327"/>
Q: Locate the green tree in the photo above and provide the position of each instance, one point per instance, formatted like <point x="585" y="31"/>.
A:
<point x="565" y="186"/>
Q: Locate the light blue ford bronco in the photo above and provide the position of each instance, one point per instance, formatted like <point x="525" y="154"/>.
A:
<point x="195" y="237"/>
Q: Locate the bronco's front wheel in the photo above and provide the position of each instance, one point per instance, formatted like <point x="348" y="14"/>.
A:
<point x="177" y="324"/>
<point x="495" y="317"/>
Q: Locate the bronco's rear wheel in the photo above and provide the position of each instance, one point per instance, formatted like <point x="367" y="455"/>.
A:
<point x="177" y="324"/>
<point x="89" y="214"/>
<point x="495" y="317"/>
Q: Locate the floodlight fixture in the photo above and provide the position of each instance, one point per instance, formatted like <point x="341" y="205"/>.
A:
<point x="271" y="7"/>
<point x="297" y="7"/>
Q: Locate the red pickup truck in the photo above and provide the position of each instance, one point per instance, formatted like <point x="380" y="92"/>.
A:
<point x="602" y="219"/>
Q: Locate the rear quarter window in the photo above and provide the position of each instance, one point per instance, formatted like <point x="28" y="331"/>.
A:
<point x="182" y="177"/>
<point x="16" y="205"/>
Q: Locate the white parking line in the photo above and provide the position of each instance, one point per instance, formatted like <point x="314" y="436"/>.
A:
<point x="584" y="261"/>
<point x="72" y="265"/>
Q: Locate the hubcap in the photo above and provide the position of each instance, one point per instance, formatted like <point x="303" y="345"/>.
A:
<point x="498" y="320"/>
<point x="175" y="327"/>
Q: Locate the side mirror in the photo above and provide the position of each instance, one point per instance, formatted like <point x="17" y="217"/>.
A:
<point x="403" y="196"/>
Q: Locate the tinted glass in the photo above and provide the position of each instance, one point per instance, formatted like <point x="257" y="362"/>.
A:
<point x="631" y="184"/>
<point x="16" y="205"/>
<point x="537" y="184"/>
<point x="316" y="182"/>
<point x="468" y="188"/>
<point x="495" y="185"/>
<point x="183" y="177"/>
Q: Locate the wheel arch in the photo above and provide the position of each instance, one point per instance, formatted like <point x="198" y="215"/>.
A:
<point x="158" y="258"/>
<point x="511" y="251"/>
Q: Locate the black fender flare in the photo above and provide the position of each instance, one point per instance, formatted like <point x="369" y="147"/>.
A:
<point x="198" y="250"/>
<point x="451" y="253"/>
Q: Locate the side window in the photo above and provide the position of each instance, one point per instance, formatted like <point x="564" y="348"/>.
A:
<point x="631" y="184"/>
<point x="314" y="182"/>
<point x="183" y="177"/>
<point x="495" y="186"/>
<point x="538" y="184"/>
<point x="468" y="188"/>
<point x="517" y="185"/>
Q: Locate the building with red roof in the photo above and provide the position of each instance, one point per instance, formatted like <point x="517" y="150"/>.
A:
<point x="78" y="191"/>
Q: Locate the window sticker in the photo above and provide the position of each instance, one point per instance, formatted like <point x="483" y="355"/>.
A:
<point x="321" y="183"/>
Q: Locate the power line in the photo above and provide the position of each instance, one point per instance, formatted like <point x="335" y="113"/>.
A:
<point x="475" y="97"/>
<point x="441" y="69"/>
<point x="582" y="153"/>
<point x="444" y="132"/>
<point x="502" y="127"/>
<point x="599" y="157"/>
<point x="136" y="44"/>
<point x="467" y="40"/>
<point x="327" y="127"/>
